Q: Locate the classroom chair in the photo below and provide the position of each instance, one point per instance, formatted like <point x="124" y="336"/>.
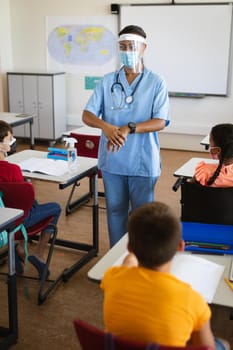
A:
<point x="87" y="146"/>
<point x="20" y="195"/>
<point x="91" y="338"/>
<point x="206" y="215"/>
<point x="210" y="205"/>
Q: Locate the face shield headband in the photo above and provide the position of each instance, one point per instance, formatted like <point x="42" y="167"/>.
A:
<point x="132" y="37"/>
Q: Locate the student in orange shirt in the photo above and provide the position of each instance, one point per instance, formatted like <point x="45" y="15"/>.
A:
<point x="143" y="301"/>
<point x="221" y="148"/>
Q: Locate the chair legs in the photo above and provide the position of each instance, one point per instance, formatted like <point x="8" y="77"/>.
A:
<point x="43" y="290"/>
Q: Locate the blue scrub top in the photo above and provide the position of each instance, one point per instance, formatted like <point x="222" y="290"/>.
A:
<point x="140" y="156"/>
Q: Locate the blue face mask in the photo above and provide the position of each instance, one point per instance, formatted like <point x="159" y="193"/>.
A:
<point x="129" y="58"/>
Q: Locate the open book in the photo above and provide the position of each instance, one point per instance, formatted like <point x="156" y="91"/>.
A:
<point x="203" y="275"/>
<point x="45" y="166"/>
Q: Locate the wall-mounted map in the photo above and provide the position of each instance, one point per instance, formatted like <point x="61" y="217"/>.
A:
<point x="73" y="45"/>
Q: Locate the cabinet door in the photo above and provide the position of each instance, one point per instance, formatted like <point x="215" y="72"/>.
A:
<point x="16" y="102"/>
<point x="45" y="107"/>
<point x="15" y="87"/>
<point x="59" y="89"/>
<point x="30" y="91"/>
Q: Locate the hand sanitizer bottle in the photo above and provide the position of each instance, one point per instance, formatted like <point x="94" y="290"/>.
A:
<point x="71" y="153"/>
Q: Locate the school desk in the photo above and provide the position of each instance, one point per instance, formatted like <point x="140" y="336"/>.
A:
<point x="187" y="170"/>
<point x="87" y="167"/>
<point x="223" y="295"/>
<point x="16" y="119"/>
<point x="9" y="335"/>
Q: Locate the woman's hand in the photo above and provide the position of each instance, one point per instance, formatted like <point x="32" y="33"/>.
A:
<point x="117" y="138"/>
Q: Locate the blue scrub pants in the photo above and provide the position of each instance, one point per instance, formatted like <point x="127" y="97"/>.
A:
<point x="39" y="212"/>
<point x="124" y="194"/>
<point x="219" y="345"/>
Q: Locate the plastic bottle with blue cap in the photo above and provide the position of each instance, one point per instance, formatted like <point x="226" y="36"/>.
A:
<point x="72" y="156"/>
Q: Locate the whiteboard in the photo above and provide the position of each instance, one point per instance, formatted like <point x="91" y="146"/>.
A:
<point x="189" y="45"/>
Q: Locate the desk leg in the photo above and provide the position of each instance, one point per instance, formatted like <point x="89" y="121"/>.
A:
<point x="91" y="250"/>
<point x="13" y="312"/>
<point x="32" y="138"/>
<point x="12" y="289"/>
<point x="11" y="333"/>
<point x="95" y="213"/>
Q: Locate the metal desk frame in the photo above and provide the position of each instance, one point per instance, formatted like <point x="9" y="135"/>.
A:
<point x="88" y="168"/>
<point x="10" y="333"/>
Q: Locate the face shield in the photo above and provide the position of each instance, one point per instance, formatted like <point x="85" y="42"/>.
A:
<point x="131" y="48"/>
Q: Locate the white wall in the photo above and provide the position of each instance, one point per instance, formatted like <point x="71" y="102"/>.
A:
<point x="5" y="49"/>
<point x="26" y="33"/>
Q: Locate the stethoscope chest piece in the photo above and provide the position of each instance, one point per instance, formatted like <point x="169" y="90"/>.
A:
<point x="129" y="99"/>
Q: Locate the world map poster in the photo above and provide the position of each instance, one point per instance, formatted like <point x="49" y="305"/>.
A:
<point x="81" y="44"/>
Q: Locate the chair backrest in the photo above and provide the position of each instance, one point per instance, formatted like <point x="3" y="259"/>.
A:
<point x="19" y="195"/>
<point x="91" y="338"/>
<point x="87" y="145"/>
<point x="204" y="204"/>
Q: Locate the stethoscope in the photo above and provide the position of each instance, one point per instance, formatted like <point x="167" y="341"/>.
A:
<point x="124" y="99"/>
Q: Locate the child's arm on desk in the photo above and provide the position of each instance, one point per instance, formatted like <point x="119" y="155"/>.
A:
<point x="130" y="260"/>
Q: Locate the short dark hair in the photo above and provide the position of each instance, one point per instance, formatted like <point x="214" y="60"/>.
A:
<point x="4" y="129"/>
<point x="154" y="234"/>
<point x="132" y="29"/>
<point x="222" y="135"/>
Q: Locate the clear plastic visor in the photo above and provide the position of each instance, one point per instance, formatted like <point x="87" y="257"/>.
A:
<point x="130" y="54"/>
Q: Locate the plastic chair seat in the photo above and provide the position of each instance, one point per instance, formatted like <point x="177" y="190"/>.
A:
<point x="35" y="229"/>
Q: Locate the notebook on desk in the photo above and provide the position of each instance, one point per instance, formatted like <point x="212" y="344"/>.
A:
<point x="193" y="270"/>
<point x="44" y="166"/>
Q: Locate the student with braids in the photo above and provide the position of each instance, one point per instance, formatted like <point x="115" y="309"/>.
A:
<point x="221" y="148"/>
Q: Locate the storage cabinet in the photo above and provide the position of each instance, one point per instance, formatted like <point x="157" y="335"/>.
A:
<point x="40" y="94"/>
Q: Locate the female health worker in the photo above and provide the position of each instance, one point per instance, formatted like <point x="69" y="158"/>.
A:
<point x="130" y="106"/>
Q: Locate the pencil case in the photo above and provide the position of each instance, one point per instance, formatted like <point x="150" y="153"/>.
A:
<point x="208" y="234"/>
<point x="57" y="153"/>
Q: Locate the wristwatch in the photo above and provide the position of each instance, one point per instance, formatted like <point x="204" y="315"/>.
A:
<point x="132" y="127"/>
